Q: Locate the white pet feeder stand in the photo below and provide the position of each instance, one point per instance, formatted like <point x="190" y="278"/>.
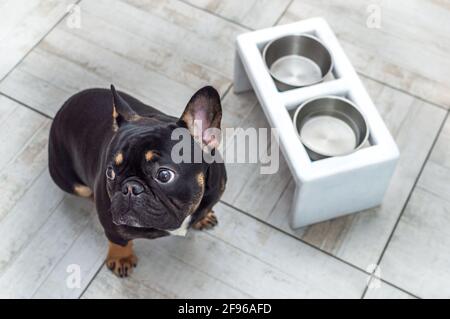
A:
<point x="335" y="186"/>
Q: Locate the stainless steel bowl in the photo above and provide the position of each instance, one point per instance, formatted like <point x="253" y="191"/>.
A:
<point x="330" y="126"/>
<point x="297" y="60"/>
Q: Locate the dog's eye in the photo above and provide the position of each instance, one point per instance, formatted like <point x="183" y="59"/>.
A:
<point x="110" y="174"/>
<point x="165" y="175"/>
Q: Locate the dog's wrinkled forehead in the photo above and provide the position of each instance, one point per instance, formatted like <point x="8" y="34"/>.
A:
<point x="136" y="142"/>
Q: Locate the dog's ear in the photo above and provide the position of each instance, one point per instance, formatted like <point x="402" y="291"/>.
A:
<point x="122" y="111"/>
<point x="202" y="117"/>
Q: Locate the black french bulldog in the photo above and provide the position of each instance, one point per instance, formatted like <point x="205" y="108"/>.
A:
<point x="114" y="148"/>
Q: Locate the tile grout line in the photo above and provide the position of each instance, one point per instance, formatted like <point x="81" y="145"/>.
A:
<point x="228" y="89"/>
<point x="254" y="256"/>
<point x="396" y="287"/>
<point x="91" y="280"/>
<point x="294" y="237"/>
<point x="63" y="256"/>
<point x="361" y="74"/>
<point x="29" y="185"/>
<point x="409" y="196"/>
<point x="37" y="43"/>
<point x="21" y="249"/>
<point x="317" y="248"/>
<point x="210" y="275"/>
<point x="26" y="106"/>
<point x="24" y="146"/>
<point x="272" y="210"/>
<point x="52" y="269"/>
<point x="283" y="13"/>
<point x="216" y="15"/>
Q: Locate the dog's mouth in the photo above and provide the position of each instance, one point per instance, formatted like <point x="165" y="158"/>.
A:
<point x="149" y="213"/>
<point x="160" y="221"/>
<point x="135" y="230"/>
<point x="133" y="213"/>
<point x="127" y="218"/>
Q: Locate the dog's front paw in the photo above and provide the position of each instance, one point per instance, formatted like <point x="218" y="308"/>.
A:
<point x="207" y="222"/>
<point x="122" y="267"/>
<point x="121" y="260"/>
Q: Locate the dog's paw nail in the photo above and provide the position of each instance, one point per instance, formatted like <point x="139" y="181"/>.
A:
<point x="122" y="266"/>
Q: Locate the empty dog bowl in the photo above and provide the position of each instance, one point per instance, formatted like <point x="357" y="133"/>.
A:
<point x="330" y="126"/>
<point x="297" y="60"/>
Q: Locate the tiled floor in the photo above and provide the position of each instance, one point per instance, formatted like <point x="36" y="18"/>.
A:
<point x="161" y="51"/>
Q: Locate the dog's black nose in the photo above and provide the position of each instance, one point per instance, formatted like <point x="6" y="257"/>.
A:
<point x="132" y="187"/>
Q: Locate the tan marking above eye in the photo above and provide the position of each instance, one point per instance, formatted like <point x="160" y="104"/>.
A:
<point x="118" y="159"/>
<point x="149" y="155"/>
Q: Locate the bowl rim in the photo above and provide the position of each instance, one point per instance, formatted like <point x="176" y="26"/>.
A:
<point x="335" y="97"/>
<point x="306" y="35"/>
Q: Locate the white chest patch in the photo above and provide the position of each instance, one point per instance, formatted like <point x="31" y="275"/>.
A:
<point x="182" y="230"/>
